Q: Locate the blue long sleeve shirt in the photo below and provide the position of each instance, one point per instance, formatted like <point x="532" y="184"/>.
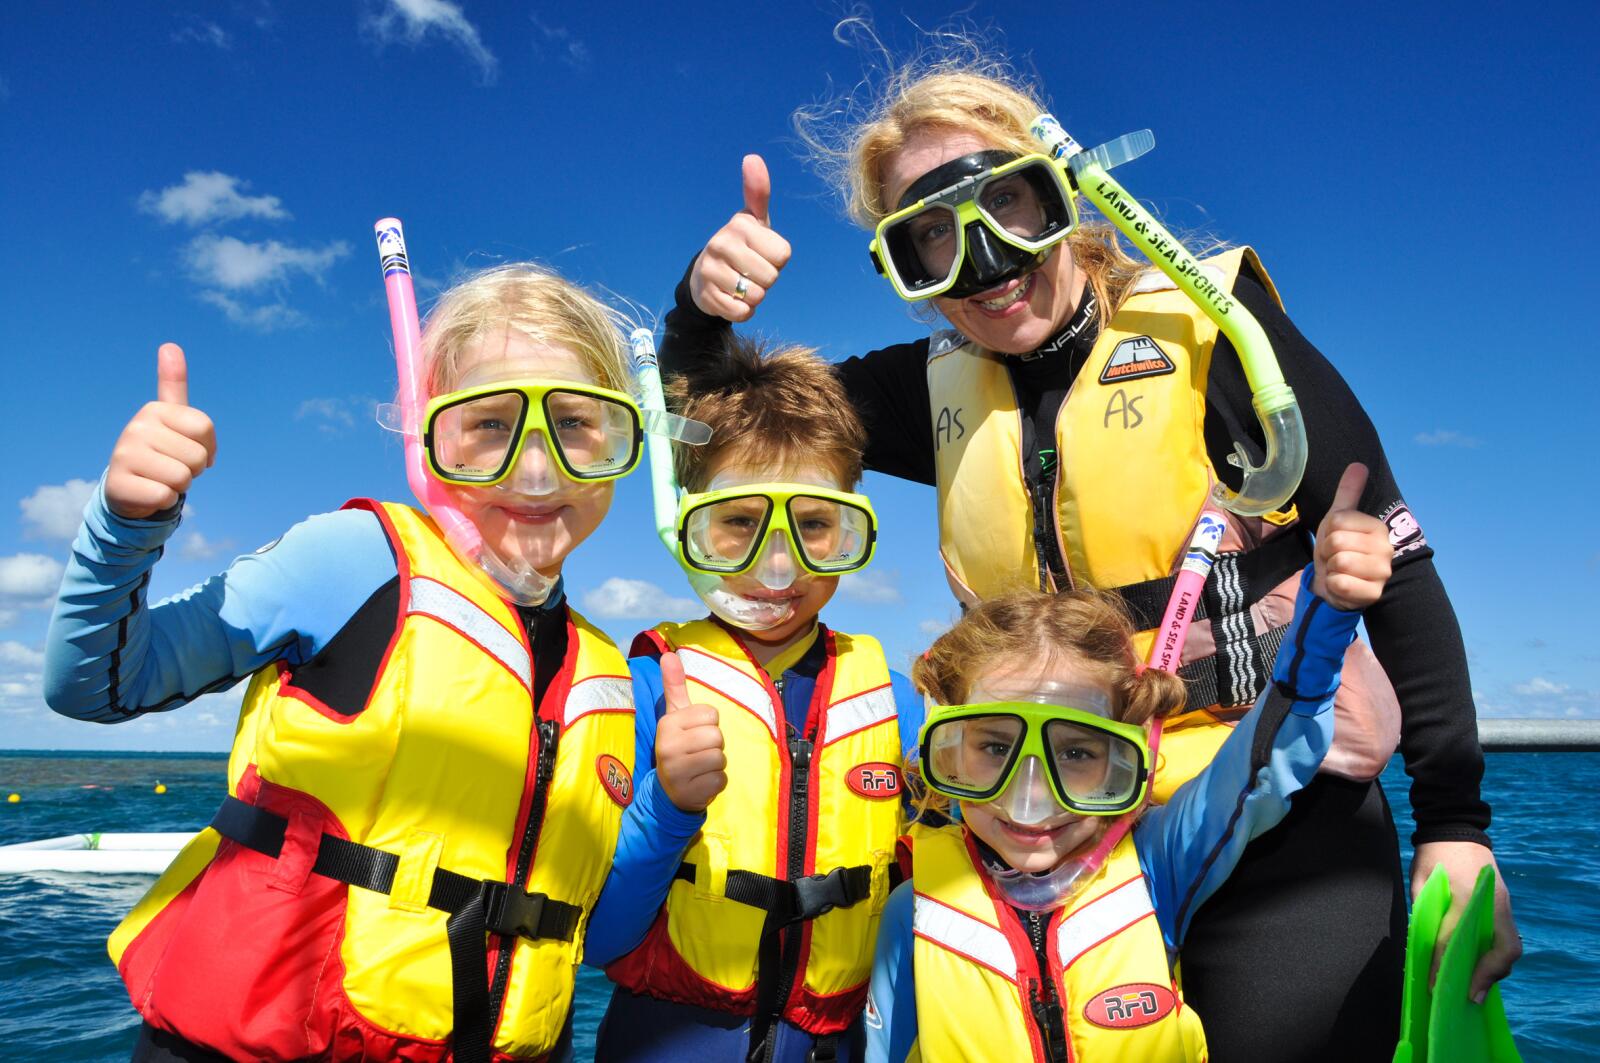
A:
<point x="1189" y="846"/>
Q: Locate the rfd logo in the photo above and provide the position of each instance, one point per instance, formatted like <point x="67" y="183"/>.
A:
<point x="874" y="779"/>
<point x="615" y="777"/>
<point x="1128" y="1006"/>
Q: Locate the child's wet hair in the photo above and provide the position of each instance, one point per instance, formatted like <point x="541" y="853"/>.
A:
<point x="777" y="406"/>
<point x="1087" y="628"/>
<point x="534" y="301"/>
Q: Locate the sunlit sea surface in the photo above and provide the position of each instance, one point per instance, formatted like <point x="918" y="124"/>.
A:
<point x="63" y="1001"/>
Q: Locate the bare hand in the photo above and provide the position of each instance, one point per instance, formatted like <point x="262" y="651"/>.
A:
<point x="166" y="445"/>
<point x="746" y="249"/>
<point x="689" y="758"/>
<point x="1462" y="861"/>
<point x="1353" y="556"/>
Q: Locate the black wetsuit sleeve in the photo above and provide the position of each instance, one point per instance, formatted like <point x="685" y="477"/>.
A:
<point x="888" y="388"/>
<point x="1413" y="628"/>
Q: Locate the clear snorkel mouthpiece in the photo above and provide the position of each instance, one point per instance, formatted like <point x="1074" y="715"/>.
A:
<point x="1265" y="487"/>
<point x="513" y="579"/>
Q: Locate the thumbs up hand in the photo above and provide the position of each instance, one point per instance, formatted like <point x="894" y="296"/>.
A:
<point x="166" y="445"/>
<point x="741" y="261"/>
<point x="689" y="758"/>
<point x="1353" y="554"/>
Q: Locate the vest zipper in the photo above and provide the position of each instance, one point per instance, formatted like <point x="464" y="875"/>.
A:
<point x="1042" y="999"/>
<point x="800" y="749"/>
<point x="544" y="770"/>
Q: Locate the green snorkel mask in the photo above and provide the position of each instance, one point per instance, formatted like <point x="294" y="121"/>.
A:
<point x="1266" y="487"/>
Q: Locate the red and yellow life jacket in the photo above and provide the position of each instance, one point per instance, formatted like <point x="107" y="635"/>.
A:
<point x="1104" y="987"/>
<point x="780" y="819"/>
<point x="1132" y="476"/>
<point x="445" y="769"/>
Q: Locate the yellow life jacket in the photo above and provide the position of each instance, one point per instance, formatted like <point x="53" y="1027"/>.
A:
<point x="791" y="811"/>
<point x="981" y="994"/>
<point x="1132" y="475"/>
<point x="444" y="780"/>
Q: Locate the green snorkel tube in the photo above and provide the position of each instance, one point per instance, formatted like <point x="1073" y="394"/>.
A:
<point x="1265" y="488"/>
<point x="662" y="427"/>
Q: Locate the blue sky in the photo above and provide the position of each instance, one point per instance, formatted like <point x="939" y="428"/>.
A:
<point x="209" y="174"/>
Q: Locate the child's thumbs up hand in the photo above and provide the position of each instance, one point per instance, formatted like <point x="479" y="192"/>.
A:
<point x="742" y="259"/>
<point x="1353" y="554"/>
<point x="689" y="758"/>
<point x="166" y="445"/>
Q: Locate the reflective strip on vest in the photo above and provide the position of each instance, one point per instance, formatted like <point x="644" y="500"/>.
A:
<point x="432" y="598"/>
<point x="731" y="684"/>
<point x="1110" y="913"/>
<point x="964" y="935"/>
<point x="857" y="713"/>
<point x="598" y="694"/>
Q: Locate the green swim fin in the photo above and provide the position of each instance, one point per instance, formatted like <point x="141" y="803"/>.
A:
<point x="1421" y="935"/>
<point x="1460" y="1031"/>
<point x="1441" y="1023"/>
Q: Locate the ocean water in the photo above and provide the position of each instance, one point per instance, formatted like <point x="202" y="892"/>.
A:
<point x="62" y="999"/>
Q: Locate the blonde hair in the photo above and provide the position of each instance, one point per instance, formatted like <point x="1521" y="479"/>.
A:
<point x="955" y="90"/>
<point x="538" y="303"/>
<point x="781" y="406"/>
<point x="1087" y="627"/>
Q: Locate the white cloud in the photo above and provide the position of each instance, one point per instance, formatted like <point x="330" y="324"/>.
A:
<point x="334" y="416"/>
<point x="207" y="196"/>
<point x="228" y="262"/>
<point x="29" y="576"/>
<point x="196" y="547"/>
<point x="17" y="655"/>
<point x="560" y="41"/>
<point x="412" y="21"/>
<point x="637" y="599"/>
<point x="1447" y="437"/>
<point x="204" y="32"/>
<point x="8" y="617"/>
<point x="934" y="628"/>
<point x="54" y="511"/>
<point x="1539" y="685"/>
<point x="266" y="317"/>
<point x="874" y="588"/>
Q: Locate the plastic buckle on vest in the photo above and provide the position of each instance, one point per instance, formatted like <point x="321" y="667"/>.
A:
<point x="510" y="910"/>
<point x="817" y="895"/>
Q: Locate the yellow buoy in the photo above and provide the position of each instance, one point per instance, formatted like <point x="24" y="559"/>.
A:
<point x="13" y="799"/>
<point x="161" y="787"/>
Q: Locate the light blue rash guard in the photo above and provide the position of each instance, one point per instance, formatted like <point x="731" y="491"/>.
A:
<point x="1189" y="846"/>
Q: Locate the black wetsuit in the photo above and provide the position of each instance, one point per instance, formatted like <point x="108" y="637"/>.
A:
<point x="1298" y="956"/>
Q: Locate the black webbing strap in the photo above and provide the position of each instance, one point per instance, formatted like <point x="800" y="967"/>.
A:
<point x="1201" y="676"/>
<point x="786" y="904"/>
<point x="1260" y="570"/>
<point x="476" y="908"/>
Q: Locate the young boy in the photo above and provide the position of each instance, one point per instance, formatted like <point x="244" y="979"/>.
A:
<point x="754" y="864"/>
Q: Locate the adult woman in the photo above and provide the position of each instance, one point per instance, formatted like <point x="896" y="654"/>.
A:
<point x="1289" y="961"/>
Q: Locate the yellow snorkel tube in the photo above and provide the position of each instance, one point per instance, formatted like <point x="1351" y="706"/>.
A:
<point x="1267" y="487"/>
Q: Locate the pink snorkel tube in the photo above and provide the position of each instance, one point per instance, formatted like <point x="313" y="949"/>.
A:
<point x="1166" y="652"/>
<point x="458" y="531"/>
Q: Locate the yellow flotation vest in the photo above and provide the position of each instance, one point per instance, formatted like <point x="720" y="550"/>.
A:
<point x="821" y="809"/>
<point x="1104" y="992"/>
<point x="1132" y="476"/>
<point x="313" y="919"/>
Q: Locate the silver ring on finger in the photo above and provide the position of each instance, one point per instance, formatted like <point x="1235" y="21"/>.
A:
<point x="740" y="289"/>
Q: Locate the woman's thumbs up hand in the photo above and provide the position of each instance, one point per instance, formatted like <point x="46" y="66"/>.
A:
<point x="741" y="261"/>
